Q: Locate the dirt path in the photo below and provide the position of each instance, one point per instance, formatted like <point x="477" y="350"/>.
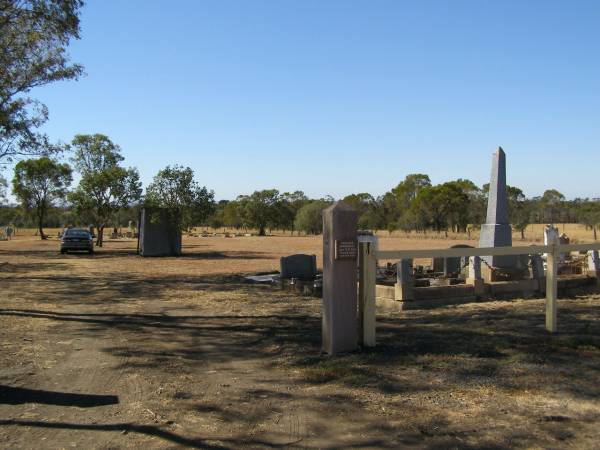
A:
<point x="117" y="351"/>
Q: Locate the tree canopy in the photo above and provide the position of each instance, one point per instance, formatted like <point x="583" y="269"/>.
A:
<point x="175" y="189"/>
<point x="105" y="187"/>
<point x="259" y="210"/>
<point x="38" y="183"/>
<point x="34" y="35"/>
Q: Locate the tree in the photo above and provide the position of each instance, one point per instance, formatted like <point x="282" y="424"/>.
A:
<point x="231" y="215"/>
<point x="287" y="207"/>
<point x="34" y="35"/>
<point x="259" y="210"/>
<point x="518" y="210"/>
<point x="105" y="187"/>
<point x="217" y="219"/>
<point x="551" y="204"/>
<point x="365" y="204"/>
<point x="310" y="217"/>
<point x="3" y="186"/>
<point x="442" y="206"/>
<point x="175" y="189"/>
<point x="399" y="200"/>
<point x="590" y="216"/>
<point x="38" y="183"/>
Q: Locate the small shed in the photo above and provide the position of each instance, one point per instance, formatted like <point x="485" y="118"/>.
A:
<point x="159" y="234"/>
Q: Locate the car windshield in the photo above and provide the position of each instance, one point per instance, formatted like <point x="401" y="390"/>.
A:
<point x="77" y="233"/>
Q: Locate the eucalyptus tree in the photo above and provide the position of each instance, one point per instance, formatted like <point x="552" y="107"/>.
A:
<point x="105" y="186"/>
<point x="38" y="183"/>
<point x="260" y="209"/>
<point x="175" y="189"/>
<point x="34" y="35"/>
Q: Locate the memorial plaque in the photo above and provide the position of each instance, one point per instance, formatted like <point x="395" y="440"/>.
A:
<point x="345" y="250"/>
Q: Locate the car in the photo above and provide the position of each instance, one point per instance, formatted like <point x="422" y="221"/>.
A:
<point x="75" y="239"/>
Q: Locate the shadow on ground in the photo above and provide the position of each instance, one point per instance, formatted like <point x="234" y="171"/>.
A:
<point x="499" y="346"/>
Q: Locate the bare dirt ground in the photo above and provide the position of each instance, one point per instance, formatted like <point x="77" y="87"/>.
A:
<point x="117" y="351"/>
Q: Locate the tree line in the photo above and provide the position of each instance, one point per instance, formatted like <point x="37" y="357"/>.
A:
<point x="414" y="205"/>
<point x="110" y="194"/>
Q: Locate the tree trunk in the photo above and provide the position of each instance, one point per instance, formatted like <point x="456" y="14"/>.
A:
<point x="40" y="223"/>
<point x="595" y="234"/>
<point x="100" y="237"/>
<point x="522" y="234"/>
<point x="261" y="230"/>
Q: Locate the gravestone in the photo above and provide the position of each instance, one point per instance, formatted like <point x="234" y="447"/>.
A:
<point x="437" y="265"/>
<point x="594" y="264"/>
<point x="550" y="235"/>
<point x="158" y="233"/>
<point x="340" y="302"/>
<point x="454" y="265"/>
<point x="405" y="281"/>
<point x="497" y="232"/>
<point x="299" y="266"/>
<point x="474" y="278"/>
<point x="537" y="271"/>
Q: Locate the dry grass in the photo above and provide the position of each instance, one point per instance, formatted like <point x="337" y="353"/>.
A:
<point x="197" y="358"/>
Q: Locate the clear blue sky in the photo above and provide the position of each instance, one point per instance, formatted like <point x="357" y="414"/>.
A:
<point x="339" y="97"/>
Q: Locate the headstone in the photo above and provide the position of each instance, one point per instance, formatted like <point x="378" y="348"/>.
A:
<point x="299" y="266"/>
<point x="563" y="239"/>
<point x="474" y="277"/>
<point x="594" y="264"/>
<point x="159" y="235"/>
<point x="340" y="303"/>
<point x="537" y="267"/>
<point x="405" y="282"/>
<point x="475" y="267"/>
<point x="497" y="232"/>
<point x="451" y="266"/>
<point x="551" y="237"/>
<point x="437" y="265"/>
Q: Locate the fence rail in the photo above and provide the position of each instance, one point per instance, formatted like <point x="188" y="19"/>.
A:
<point x="368" y="257"/>
<point x="484" y="251"/>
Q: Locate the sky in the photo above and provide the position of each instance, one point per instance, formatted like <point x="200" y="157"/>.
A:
<point x="339" y="97"/>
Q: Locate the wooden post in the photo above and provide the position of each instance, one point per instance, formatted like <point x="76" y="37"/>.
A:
<point x="551" y="288"/>
<point x="367" y="262"/>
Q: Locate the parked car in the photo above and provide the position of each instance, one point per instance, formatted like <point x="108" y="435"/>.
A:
<point x="75" y="239"/>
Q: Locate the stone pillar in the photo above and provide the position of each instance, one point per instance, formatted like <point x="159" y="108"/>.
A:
<point x="405" y="283"/>
<point x="475" y="278"/>
<point x="537" y="272"/>
<point x="594" y="264"/>
<point x="339" y="324"/>
<point x="497" y="232"/>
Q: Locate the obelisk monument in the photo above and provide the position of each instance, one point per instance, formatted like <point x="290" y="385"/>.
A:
<point x="497" y="232"/>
